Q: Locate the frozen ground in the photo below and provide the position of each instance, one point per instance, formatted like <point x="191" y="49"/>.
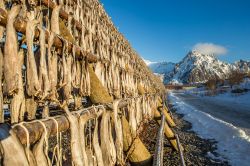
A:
<point x="221" y="118"/>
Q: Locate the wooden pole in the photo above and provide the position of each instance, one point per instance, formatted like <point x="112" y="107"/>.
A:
<point x="168" y="131"/>
<point x="35" y="128"/>
<point x="162" y="108"/>
<point x="169" y="119"/>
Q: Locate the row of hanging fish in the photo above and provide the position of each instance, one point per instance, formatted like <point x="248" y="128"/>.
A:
<point x="37" y="72"/>
<point x="34" y="73"/>
<point x="96" y="139"/>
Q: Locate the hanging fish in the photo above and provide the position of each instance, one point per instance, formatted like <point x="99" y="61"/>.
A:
<point x="16" y="154"/>
<point x="132" y="118"/>
<point x="1" y="91"/>
<point x="82" y="122"/>
<point x="11" y="71"/>
<point x="96" y="145"/>
<point x="107" y="143"/>
<point x="138" y="113"/>
<point x="119" y="134"/>
<point x="43" y="70"/>
<point x="40" y="149"/>
<point x="54" y="26"/>
<point x="74" y="69"/>
<point x="75" y="144"/>
<point x="85" y="79"/>
<point x="53" y="68"/>
<point x="17" y="106"/>
<point x="33" y="86"/>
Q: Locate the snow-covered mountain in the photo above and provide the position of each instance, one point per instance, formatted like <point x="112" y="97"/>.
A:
<point x="194" y="67"/>
<point x="162" y="67"/>
<point x="243" y="66"/>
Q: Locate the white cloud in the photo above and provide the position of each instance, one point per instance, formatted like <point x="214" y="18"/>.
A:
<point x="210" y="48"/>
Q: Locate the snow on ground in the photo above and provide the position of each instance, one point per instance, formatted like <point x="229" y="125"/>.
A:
<point x="241" y="98"/>
<point x="233" y="143"/>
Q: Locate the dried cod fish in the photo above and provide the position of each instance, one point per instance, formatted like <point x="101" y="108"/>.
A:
<point x="107" y="143"/>
<point x="40" y="149"/>
<point x="43" y="70"/>
<point x="1" y="91"/>
<point x="17" y="106"/>
<point x="52" y="67"/>
<point x="96" y="145"/>
<point x="11" y="72"/>
<point x="118" y="132"/>
<point x="16" y="154"/>
<point x="75" y="144"/>
<point x="33" y="85"/>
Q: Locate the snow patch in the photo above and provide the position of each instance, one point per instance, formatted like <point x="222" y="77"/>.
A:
<point x="241" y="98"/>
<point x="233" y="143"/>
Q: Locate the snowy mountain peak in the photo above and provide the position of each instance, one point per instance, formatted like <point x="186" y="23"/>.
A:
<point x="196" y="67"/>
<point x="199" y="56"/>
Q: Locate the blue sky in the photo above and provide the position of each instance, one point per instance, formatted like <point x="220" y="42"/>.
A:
<point x="165" y="30"/>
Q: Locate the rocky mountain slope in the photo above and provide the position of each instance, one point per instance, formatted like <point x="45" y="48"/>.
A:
<point x="243" y="66"/>
<point x="162" y="67"/>
<point x="196" y="67"/>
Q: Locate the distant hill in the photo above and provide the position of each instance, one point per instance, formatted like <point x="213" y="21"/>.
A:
<point x="162" y="67"/>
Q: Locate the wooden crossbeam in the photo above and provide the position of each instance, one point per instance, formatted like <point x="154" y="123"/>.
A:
<point x="35" y="128"/>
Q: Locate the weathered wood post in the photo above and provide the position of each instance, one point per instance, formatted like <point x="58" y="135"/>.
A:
<point x="165" y="111"/>
<point x="169" y="119"/>
<point x="168" y="131"/>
